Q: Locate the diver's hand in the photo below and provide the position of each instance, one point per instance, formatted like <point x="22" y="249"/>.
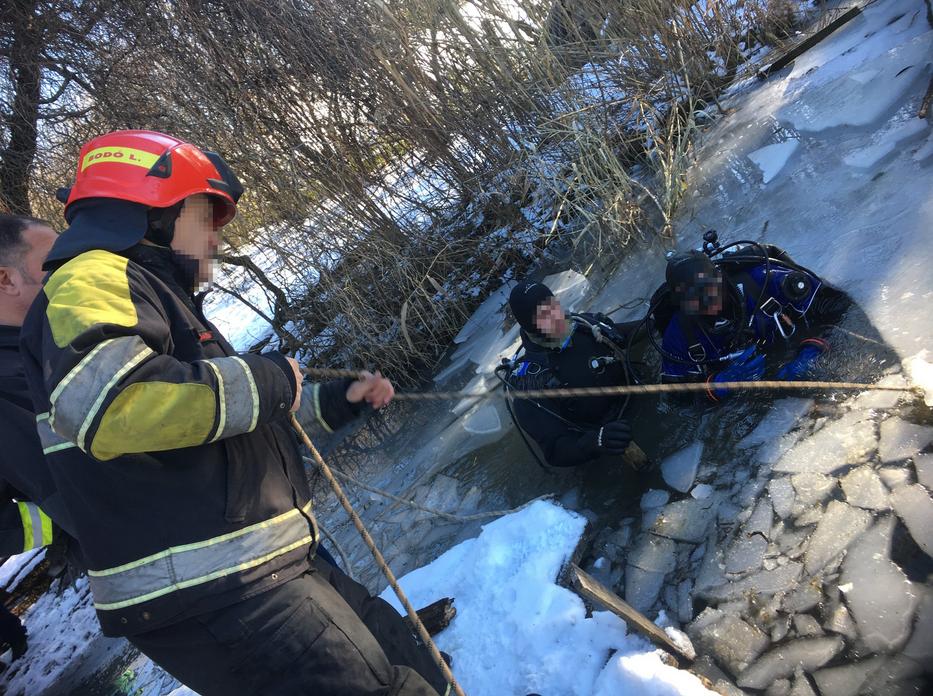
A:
<point x="801" y="366"/>
<point x="747" y="367"/>
<point x="612" y="438"/>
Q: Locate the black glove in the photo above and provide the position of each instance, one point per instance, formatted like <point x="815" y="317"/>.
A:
<point x="612" y="438"/>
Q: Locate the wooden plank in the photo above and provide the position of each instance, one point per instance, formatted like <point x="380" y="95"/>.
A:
<point x="437" y="615"/>
<point x="925" y="105"/>
<point x="809" y="43"/>
<point x="591" y="589"/>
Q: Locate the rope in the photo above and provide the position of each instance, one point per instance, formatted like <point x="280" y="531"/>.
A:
<point x="380" y="561"/>
<point x="620" y="390"/>
<point x="439" y="513"/>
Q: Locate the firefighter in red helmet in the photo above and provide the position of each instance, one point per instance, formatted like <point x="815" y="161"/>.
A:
<point x="174" y="455"/>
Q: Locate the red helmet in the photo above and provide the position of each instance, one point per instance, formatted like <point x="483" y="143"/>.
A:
<point x="155" y="170"/>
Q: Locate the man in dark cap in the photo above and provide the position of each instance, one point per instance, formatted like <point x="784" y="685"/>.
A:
<point x="725" y="318"/>
<point x="568" y="350"/>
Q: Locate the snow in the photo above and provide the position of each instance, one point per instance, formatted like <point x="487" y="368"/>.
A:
<point x="516" y="631"/>
<point x="920" y="369"/>
<point x="17" y="567"/>
<point x="772" y="158"/>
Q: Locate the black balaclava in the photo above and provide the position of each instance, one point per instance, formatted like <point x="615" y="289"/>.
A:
<point x="688" y="273"/>
<point x="524" y="301"/>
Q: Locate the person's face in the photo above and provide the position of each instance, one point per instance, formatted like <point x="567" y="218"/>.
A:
<point x="21" y="283"/>
<point x="704" y="297"/>
<point x="550" y="318"/>
<point x="196" y="236"/>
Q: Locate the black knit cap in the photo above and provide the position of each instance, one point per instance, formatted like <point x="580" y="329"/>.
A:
<point x="684" y="269"/>
<point x="524" y="301"/>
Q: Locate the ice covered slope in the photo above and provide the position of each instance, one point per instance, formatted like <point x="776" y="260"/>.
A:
<point x="829" y="160"/>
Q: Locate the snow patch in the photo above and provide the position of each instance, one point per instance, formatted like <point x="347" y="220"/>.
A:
<point x="772" y="158"/>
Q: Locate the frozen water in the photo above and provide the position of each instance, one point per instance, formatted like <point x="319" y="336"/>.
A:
<point x="864" y="489"/>
<point x="885" y="143"/>
<point x="894" y="476"/>
<point x="761" y="519"/>
<point x="767" y="582"/>
<point x="848" y="440"/>
<point x="881" y="399"/>
<point x="840" y="526"/>
<point x="914" y="506"/>
<point x="923" y="464"/>
<point x="642" y="587"/>
<point x="812" y="488"/>
<point x="920" y="645"/>
<point x="488" y="315"/>
<point x="772" y="158"/>
<point x="920" y="368"/>
<point x="803" y="598"/>
<point x="483" y="420"/>
<point x="900" y="439"/>
<point x="734" y="643"/>
<point x="686" y="520"/>
<point x="840" y="621"/>
<point x="880" y="597"/>
<point x="783" y="415"/>
<point x="847" y="679"/>
<point x="782" y="495"/>
<point x="806" y="626"/>
<point x="808" y="653"/>
<point x="570" y="287"/>
<point x="801" y="686"/>
<point x="654" y="499"/>
<point x="18" y="566"/>
<point x="680" y="469"/>
<point x="746" y="554"/>
<point x="702" y="491"/>
<point x="654" y="553"/>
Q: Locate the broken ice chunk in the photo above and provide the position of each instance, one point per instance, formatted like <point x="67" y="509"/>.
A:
<point x="782" y="496"/>
<point x="767" y="582"/>
<point x="730" y="640"/>
<point x="807" y="626"/>
<point x="483" y="420"/>
<point x="881" y="598"/>
<point x="654" y="498"/>
<point x="847" y="679"/>
<point x="686" y="520"/>
<point x="642" y="587"/>
<point x="801" y="685"/>
<point x="914" y="506"/>
<point x="839" y="526"/>
<point x="782" y="416"/>
<point x="894" y="476"/>
<point x="848" y="440"/>
<point x="900" y="439"/>
<point x="702" y="491"/>
<point x="812" y="488"/>
<point x="923" y="464"/>
<point x="746" y="554"/>
<point x="680" y="469"/>
<point x="654" y="553"/>
<point x="840" y="621"/>
<point x="864" y="489"/>
<point x="920" y="645"/>
<point x="808" y="653"/>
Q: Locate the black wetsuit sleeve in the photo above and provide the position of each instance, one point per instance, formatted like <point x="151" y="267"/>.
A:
<point x="560" y="444"/>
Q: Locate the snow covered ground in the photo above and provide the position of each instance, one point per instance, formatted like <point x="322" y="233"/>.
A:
<point x="788" y="543"/>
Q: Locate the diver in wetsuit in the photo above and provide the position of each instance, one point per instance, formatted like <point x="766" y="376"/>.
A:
<point x="738" y="312"/>
<point x="561" y="350"/>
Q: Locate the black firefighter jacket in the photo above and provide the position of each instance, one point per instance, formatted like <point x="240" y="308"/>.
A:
<point x="173" y="453"/>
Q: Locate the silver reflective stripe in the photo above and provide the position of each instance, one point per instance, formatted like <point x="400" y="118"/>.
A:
<point x="237" y="396"/>
<point x="35" y="526"/>
<point x="193" y="564"/>
<point x="51" y="441"/>
<point x="79" y="396"/>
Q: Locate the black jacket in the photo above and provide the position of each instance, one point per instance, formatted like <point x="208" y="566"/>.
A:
<point x="560" y="427"/>
<point x="174" y="455"/>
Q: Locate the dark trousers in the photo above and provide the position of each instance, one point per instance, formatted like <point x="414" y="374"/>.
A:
<point x="319" y="634"/>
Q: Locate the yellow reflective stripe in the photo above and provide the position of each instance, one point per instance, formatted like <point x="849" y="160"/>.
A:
<point x="284" y="517"/>
<point x="76" y="370"/>
<point x="119" y="155"/>
<point x="28" y="538"/>
<point x="205" y="578"/>
<point x="315" y="394"/>
<point x="144" y="353"/>
<point x="58" y="448"/>
<point x="221" y="400"/>
<point x="47" y="529"/>
<point x="253" y="390"/>
<point x="90" y="290"/>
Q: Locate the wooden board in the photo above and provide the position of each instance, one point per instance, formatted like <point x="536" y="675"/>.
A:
<point x="809" y="43"/>
<point x="437" y="616"/>
<point x="591" y="589"/>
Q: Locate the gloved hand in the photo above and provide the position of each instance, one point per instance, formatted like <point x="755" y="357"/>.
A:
<point x="747" y="367"/>
<point x="803" y="364"/>
<point x="612" y="438"/>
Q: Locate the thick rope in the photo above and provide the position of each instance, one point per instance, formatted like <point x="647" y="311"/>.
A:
<point x="620" y="390"/>
<point x="380" y="561"/>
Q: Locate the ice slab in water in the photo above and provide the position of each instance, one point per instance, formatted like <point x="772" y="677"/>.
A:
<point x="923" y="464"/>
<point x="847" y="679"/>
<point x="914" y="506"/>
<point x="806" y="626"/>
<point x="761" y="519"/>
<point x="654" y="499"/>
<point x="801" y="685"/>
<point x="848" y="440"/>
<point x="840" y="621"/>
<point x="488" y="314"/>
<point x="884" y="143"/>
<point x="812" y="488"/>
<point x="894" y="476"/>
<point x="807" y="653"/>
<point x="900" y="439"/>
<point x="569" y="286"/>
<point x="880" y="597"/>
<point x="772" y="158"/>
<point x="686" y="520"/>
<point x="783" y="415"/>
<point x="680" y="469"/>
<point x="804" y="598"/>
<point x="840" y="526"/>
<point x="920" y="645"/>
<point x="642" y="587"/>
<point x="863" y="488"/>
<point x="767" y="582"/>
<point x="782" y="495"/>
<point x="702" y="491"/>
<point x="881" y="399"/>
<point x="483" y="420"/>
<point x="746" y="554"/>
<point x="654" y="553"/>
<point x="732" y="642"/>
<point x="920" y="369"/>
<point x="848" y="101"/>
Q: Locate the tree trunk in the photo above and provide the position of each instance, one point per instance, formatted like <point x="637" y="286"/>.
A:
<point x="16" y="160"/>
